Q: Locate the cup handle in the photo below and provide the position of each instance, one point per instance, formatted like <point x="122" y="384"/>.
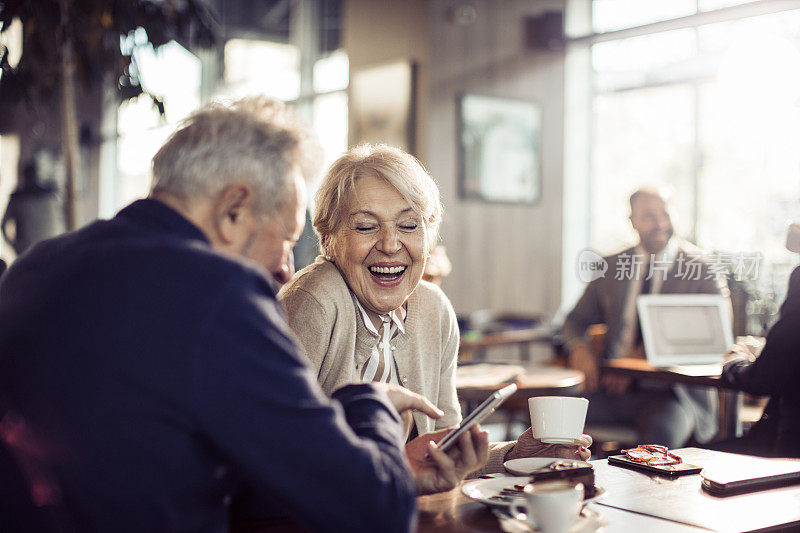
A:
<point x="518" y="508"/>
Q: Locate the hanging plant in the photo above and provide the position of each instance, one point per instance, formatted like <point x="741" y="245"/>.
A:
<point x="70" y="45"/>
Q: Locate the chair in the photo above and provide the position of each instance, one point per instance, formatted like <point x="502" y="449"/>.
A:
<point x="608" y="439"/>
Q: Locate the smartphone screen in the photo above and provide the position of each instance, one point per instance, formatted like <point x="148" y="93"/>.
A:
<point x="476" y="416"/>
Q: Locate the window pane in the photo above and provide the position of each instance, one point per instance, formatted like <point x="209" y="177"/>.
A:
<point x="330" y="123"/>
<point x="656" y="58"/>
<point x="141" y="134"/>
<point x="262" y="67"/>
<point x="172" y="73"/>
<point x="718" y="118"/>
<point x="708" y="5"/>
<point x="609" y="15"/>
<point x="332" y="73"/>
<point x="749" y="134"/>
<point x="642" y="137"/>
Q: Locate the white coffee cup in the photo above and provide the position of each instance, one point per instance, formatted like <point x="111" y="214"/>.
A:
<point x="549" y="507"/>
<point x="557" y="419"/>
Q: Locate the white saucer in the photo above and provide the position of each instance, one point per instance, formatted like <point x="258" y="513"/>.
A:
<point x="526" y="465"/>
<point x="589" y="521"/>
<point x="483" y="490"/>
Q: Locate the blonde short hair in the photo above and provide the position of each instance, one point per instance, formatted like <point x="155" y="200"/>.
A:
<point x="255" y="140"/>
<point x="402" y="171"/>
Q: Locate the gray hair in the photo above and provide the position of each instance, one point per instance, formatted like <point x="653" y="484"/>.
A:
<point x="402" y="171"/>
<point x="254" y="140"/>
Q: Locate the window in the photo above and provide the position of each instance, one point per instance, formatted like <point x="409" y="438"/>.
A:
<point x="173" y="74"/>
<point x="296" y="60"/>
<point x="261" y="67"/>
<point x="710" y="110"/>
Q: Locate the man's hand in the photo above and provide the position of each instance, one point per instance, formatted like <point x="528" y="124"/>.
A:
<point x="739" y="352"/>
<point x="405" y="400"/>
<point x="581" y="358"/>
<point x="749" y="348"/>
<point x="528" y="446"/>
<point x="438" y="471"/>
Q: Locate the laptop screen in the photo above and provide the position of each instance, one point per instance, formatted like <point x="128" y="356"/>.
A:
<point x="685" y="329"/>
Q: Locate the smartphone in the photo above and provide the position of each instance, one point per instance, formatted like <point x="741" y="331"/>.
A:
<point x="478" y="415"/>
<point x="680" y="469"/>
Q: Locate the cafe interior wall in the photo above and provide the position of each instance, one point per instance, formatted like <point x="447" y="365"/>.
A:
<point x="506" y="257"/>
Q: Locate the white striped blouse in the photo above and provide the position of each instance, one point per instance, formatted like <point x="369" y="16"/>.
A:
<point x="381" y="366"/>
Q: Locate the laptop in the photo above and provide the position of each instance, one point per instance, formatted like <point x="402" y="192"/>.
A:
<point x="686" y="330"/>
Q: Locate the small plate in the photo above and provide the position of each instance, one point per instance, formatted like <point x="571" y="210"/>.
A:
<point x="483" y="490"/>
<point x="526" y="465"/>
<point x="589" y="521"/>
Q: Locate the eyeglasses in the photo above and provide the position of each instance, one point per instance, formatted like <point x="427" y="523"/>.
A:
<point x="653" y="455"/>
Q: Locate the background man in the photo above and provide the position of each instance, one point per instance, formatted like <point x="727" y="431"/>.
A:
<point x="658" y="264"/>
<point x="147" y="370"/>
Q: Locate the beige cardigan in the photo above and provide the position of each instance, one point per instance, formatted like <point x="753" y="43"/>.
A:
<point x="322" y="312"/>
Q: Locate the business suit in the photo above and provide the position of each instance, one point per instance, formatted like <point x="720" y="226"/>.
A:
<point x="690" y="409"/>
<point x="775" y="372"/>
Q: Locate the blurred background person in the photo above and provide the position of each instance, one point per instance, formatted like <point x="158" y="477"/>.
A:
<point x="661" y="414"/>
<point x="34" y="212"/>
<point x="774" y="370"/>
<point x="438" y="266"/>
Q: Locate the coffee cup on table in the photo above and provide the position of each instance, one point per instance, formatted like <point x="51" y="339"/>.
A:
<point x="557" y="419"/>
<point x="549" y="507"/>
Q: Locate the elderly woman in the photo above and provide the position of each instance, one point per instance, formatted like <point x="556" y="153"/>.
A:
<point x="362" y="312"/>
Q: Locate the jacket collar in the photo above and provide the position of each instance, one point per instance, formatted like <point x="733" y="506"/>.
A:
<point x="159" y="216"/>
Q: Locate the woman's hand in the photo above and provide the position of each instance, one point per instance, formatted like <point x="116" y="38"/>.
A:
<point x="438" y="471"/>
<point x="528" y="446"/>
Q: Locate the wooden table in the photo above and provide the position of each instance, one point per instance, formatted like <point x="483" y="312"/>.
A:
<point x="634" y="502"/>
<point x="538" y="380"/>
<point x="637" y="502"/>
<point x="452" y="512"/>
<point x="730" y="399"/>
<point x="683" y="500"/>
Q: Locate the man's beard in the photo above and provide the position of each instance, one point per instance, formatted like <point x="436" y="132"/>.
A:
<point x="651" y="241"/>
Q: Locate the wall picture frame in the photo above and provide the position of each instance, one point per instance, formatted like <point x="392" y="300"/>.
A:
<point x="499" y="149"/>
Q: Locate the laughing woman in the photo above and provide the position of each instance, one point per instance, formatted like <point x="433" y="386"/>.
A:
<point x="362" y="312"/>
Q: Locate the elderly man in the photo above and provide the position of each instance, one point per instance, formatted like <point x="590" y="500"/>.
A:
<point x="147" y="370"/>
<point x="658" y="264"/>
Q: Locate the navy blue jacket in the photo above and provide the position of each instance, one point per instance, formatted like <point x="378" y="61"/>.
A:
<point x="144" y="377"/>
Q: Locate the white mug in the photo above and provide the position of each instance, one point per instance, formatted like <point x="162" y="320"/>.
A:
<point x="549" y="507"/>
<point x="558" y="419"/>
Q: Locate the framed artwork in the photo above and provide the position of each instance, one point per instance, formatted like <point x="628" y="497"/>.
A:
<point x="382" y="104"/>
<point x="499" y="149"/>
